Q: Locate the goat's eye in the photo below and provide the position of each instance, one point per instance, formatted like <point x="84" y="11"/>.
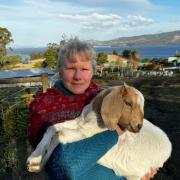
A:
<point x="128" y="103"/>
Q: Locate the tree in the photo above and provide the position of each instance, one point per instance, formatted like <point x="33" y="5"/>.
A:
<point x="119" y="64"/>
<point x="37" y="55"/>
<point x="126" y="54"/>
<point x="133" y="59"/>
<point x="135" y="55"/>
<point x="115" y="52"/>
<point x="5" y="38"/>
<point x="101" y="58"/>
<point x="12" y="60"/>
<point x="63" y="40"/>
<point x="131" y="55"/>
<point x="51" y="55"/>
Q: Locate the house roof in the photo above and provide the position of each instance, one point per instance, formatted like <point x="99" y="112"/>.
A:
<point x="7" y="74"/>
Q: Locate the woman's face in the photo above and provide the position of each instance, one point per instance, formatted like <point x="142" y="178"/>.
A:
<point x="77" y="73"/>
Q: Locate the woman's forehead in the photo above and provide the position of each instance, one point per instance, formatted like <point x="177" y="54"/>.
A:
<point x="76" y="57"/>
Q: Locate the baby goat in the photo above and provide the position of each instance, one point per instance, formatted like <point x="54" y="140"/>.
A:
<point x="142" y="147"/>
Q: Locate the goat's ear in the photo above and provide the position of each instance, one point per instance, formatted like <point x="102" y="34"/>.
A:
<point x="112" y="107"/>
<point x="97" y="101"/>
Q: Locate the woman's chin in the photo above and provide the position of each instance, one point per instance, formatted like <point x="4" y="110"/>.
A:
<point x="77" y="90"/>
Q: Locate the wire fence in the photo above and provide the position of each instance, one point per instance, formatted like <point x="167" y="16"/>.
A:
<point x="14" y="145"/>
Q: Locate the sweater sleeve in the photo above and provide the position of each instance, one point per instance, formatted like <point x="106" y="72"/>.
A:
<point x="36" y="128"/>
<point x="75" y="160"/>
<point x="37" y="121"/>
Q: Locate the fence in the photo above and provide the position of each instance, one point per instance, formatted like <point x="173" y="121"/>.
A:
<point x="13" y="126"/>
<point x="21" y="81"/>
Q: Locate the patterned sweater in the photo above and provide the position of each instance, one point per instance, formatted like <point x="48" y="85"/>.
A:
<point x="55" y="106"/>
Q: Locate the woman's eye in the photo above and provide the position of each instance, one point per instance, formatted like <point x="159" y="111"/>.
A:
<point x="70" y="68"/>
<point x="128" y="103"/>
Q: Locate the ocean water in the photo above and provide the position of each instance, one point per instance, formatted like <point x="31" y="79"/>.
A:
<point x="25" y="52"/>
<point x="145" y="51"/>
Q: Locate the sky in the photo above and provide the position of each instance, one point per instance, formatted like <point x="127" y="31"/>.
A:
<point x="35" y="23"/>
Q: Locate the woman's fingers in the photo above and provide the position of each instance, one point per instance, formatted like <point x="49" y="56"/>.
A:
<point x="150" y="174"/>
<point x="119" y="131"/>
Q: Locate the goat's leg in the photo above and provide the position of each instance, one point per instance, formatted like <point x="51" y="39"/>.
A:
<point x="70" y="135"/>
<point x="34" y="160"/>
<point x="52" y="145"/>
<point x="48" y="143"/>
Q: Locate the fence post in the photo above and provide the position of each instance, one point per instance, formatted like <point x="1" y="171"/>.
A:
<point x="44" y="78"/>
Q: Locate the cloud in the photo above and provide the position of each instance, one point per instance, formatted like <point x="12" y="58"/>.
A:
<point x="106" y="22"/>
<point x="38" y="22"/>
<point x="30" y="10"/>
<point x="106" y="3"/>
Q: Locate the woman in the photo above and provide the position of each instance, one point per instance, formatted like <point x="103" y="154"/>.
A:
<point x="64" y="102"/>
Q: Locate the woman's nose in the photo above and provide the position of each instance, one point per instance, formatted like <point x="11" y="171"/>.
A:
<point x="77" y="75"/>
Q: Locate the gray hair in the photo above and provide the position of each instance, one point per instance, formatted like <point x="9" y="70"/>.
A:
<point x="70" y="50"/>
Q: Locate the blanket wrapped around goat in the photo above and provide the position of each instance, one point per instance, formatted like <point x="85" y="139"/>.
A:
<point x="78" y="160"/>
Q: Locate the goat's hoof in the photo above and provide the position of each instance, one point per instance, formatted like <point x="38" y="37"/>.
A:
<point x="34" y="160"/>
<point x="33" y="168"/>
<point x="34" y="164"/>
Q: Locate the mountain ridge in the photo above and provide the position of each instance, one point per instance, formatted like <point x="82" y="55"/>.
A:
<point x="165" y="38"/>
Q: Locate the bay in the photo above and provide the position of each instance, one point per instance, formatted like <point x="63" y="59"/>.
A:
<point x="25" y="52"/>
<point x="145" y="51"/>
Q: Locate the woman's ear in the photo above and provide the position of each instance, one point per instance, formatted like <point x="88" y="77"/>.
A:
<point x="112" y="106"/>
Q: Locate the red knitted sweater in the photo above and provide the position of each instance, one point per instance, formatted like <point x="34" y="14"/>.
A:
<point x="53" y="107"/>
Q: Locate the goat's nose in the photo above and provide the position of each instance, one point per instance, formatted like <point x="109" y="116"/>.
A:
<point x="139" y="126"/>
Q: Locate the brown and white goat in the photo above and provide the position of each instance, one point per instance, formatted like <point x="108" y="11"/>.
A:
<point x="121" y="106"/>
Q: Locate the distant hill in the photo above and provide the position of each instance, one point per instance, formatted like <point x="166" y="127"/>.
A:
<point x="168" y="38"/>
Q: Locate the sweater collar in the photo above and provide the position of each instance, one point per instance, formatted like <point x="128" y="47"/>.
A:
<point x="60" y="86"/>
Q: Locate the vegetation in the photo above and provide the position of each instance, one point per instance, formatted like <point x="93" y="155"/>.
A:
<point x="51" y="55"/>
<point x="10" y="61"/>
<point x="14" y="146"/>
<point x="115" y="52"/>
<point x="101" y="58"/>
<point x="5" y="39"/>
<point x="177" y="55"/>
<point x="7" y="62"/>
<point x="38" y="55"/>
<point x="154" y="63"/>
<point x="131" y="55"/>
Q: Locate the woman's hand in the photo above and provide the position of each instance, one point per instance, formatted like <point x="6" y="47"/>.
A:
<point x="150" y="175"/>
<point x="119" y="131"/>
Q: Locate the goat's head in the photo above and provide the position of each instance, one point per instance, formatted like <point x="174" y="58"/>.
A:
<point x="121" y="106"/>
